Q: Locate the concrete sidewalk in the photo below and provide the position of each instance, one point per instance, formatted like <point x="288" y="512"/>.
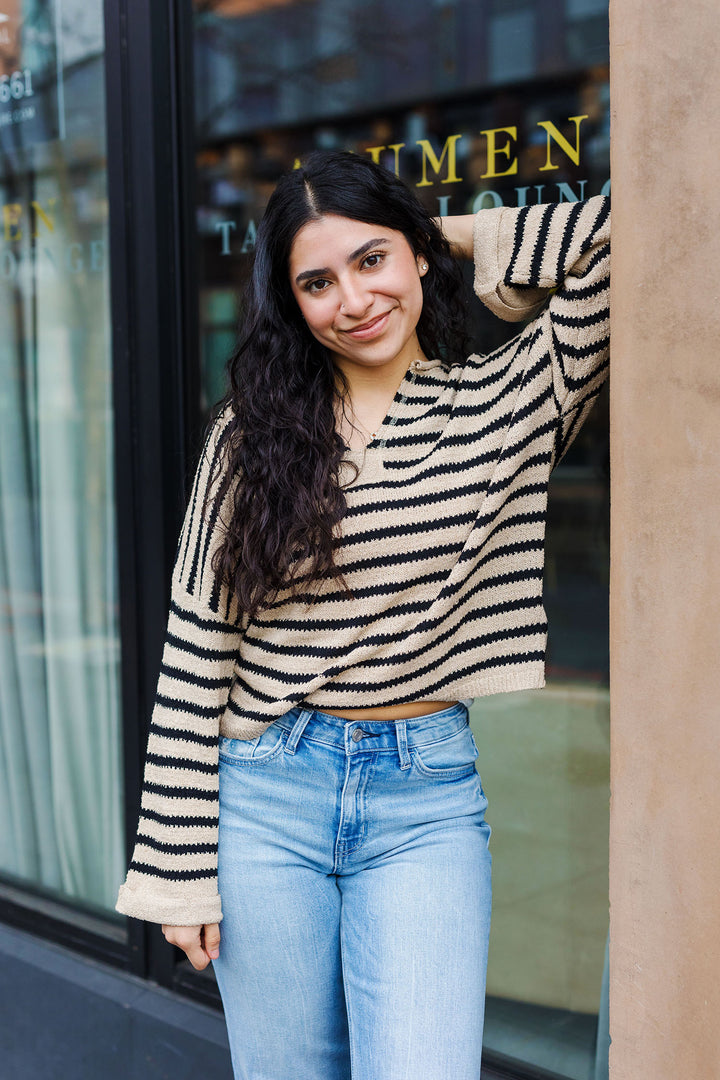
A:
<point x="67" y="1017"/>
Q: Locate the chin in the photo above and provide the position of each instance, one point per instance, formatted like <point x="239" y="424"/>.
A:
<point x="375" y="355"/>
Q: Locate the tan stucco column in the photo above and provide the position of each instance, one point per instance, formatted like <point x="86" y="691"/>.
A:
<point x="665" y="554"/>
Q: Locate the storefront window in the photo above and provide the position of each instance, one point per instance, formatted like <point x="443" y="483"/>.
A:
<point x="473" y="105"/>
<point x="61" y="801"/>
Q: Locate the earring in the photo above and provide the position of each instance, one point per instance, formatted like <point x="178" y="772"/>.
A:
<point x="424" y="266"/>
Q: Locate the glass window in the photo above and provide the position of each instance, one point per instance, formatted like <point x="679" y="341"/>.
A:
<point x="474" y="105"/>
<point x="512" y="43"/>
<point x="60" y="764"/>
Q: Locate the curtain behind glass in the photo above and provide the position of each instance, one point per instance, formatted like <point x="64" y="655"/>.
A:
<point x="60" y="776"/>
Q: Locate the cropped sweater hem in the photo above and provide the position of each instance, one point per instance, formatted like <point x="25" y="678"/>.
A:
<point x="529" y="677"/>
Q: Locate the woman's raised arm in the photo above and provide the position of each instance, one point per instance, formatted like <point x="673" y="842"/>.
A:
<point x="549" y="263"/>
<point x="553" y="260"/>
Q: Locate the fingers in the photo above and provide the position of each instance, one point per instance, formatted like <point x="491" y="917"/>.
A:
<point x="199" y="943"/>
<point x="458" y="231"/>
<point x="211" y="938"/>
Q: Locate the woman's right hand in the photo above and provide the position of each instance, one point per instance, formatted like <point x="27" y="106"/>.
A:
<point x="201" y="944"/>
<point x="458" y="231"/>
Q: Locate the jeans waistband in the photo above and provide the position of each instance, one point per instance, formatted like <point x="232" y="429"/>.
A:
<point x="371" y="735"/>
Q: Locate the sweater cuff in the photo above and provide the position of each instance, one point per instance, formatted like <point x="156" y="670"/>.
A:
<point x="171" y="911"/>
<point x="493" y="239"/>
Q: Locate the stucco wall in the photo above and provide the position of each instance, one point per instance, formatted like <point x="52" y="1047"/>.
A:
<point x="665" y="552"/>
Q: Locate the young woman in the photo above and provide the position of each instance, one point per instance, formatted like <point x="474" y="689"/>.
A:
<point x="362" y="554"/>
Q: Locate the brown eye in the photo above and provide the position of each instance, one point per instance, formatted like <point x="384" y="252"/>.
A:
<point x="374" y="259"/>
<point x="316" y="286"/>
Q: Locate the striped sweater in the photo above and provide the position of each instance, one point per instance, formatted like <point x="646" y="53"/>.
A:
<point x="442" y="547"/>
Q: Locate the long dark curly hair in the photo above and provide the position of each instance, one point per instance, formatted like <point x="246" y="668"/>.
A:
<point x="281" y="440"/>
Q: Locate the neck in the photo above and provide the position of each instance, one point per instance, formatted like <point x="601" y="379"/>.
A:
<point x="370" y="392"/>
<point x="377" y="380"/>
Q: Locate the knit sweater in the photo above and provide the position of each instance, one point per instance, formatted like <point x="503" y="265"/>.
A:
<point x="442" y="548"/>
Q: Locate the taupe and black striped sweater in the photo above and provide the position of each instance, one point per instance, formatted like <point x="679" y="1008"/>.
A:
<point x="442" y="547"/>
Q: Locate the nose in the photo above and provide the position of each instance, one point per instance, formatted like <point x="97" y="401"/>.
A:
<point x="354" y="298"/>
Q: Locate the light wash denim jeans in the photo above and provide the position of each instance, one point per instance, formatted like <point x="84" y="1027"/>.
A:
<point x="354" y="873"/>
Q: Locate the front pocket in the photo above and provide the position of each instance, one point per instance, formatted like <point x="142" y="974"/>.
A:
<point x="257" y="751"/>
<point x="450" y="757"/>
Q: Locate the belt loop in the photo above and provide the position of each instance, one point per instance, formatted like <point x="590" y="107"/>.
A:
<point x="401" y="730"/>
<point x="297" y="730"/>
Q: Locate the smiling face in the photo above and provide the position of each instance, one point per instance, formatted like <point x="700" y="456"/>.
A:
<point x="358" y="288"/>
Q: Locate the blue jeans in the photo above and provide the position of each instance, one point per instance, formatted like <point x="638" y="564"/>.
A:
<point x="354" y="873"/>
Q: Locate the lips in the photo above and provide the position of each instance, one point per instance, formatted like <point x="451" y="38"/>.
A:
<point x="368" y="330"/>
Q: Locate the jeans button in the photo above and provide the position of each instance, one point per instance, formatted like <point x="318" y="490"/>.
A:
<point x="357" y="735"/>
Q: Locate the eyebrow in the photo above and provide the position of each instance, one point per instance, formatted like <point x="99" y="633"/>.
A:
<point x="357" y="254"/>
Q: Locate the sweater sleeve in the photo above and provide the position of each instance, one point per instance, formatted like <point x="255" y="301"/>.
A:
<point x="553" y="262"/>
<point x="172" y="877"/>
